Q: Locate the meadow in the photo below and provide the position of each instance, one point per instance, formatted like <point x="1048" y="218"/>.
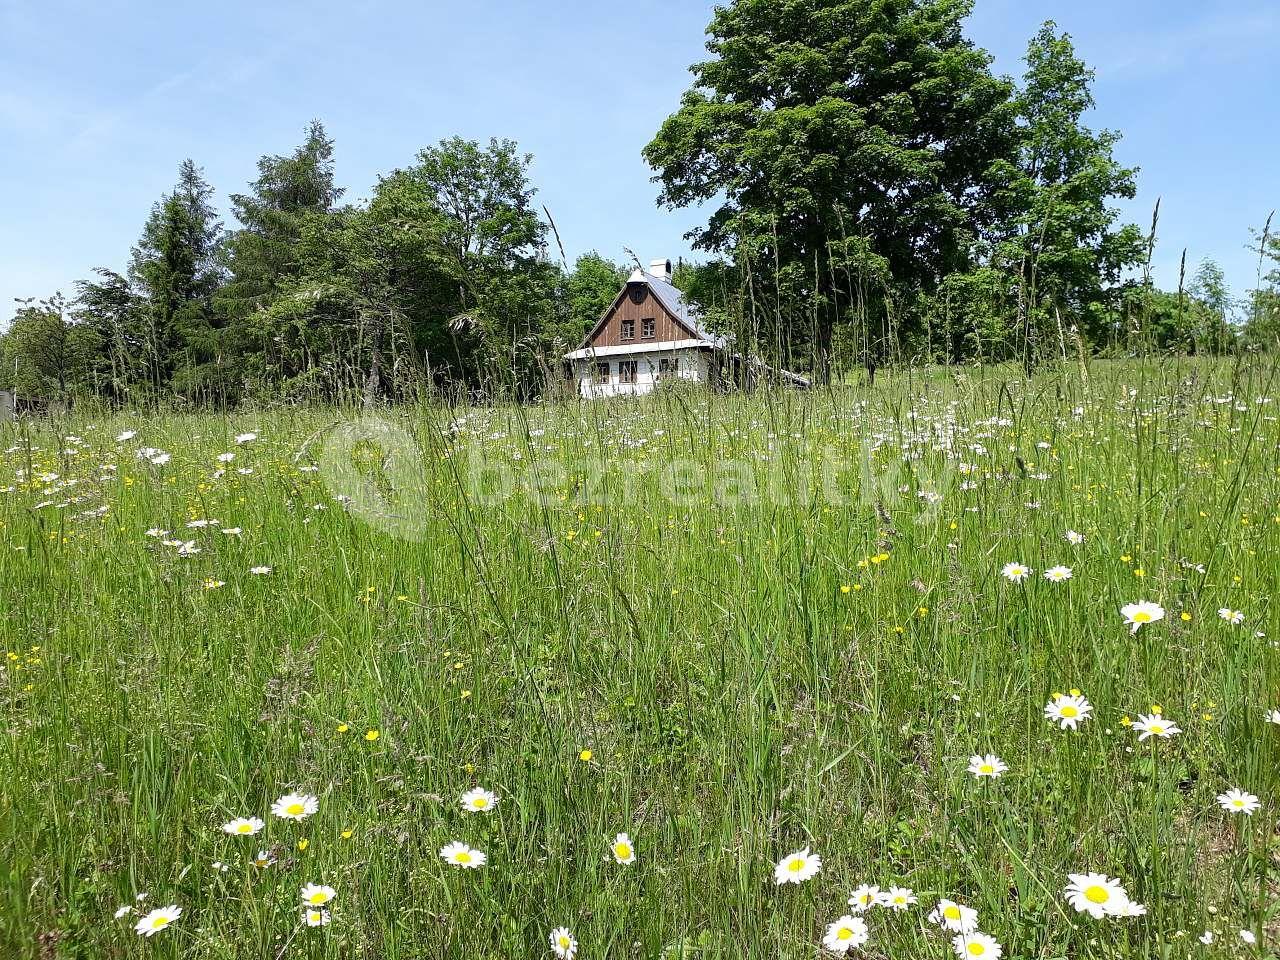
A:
<point x="891" y="671"/>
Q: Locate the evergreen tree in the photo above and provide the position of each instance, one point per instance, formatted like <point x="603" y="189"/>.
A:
<point x="175" y="267"/>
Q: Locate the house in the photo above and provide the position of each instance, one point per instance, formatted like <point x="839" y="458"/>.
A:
<point x="649" y="334"/>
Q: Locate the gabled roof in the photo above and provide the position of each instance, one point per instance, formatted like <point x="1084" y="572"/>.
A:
<point x="672" y="300"/>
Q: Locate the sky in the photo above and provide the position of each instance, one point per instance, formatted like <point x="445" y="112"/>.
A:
<point x="101" y="101"/>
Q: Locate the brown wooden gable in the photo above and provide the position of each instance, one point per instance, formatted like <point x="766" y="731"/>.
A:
<point x="637" y="303"/>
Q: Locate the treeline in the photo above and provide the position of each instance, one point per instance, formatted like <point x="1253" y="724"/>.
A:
<point x="878" y="196"/>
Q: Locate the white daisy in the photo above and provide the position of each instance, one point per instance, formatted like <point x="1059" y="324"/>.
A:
<point x="1236" y="800"/>
<point x="987" y="766"/>
<point x="1141" y="613"/>
<point x="562" y="943"/>
<point x="845" y="934"/>
<point x="478" y="800"/>
<point x="157" y="920"/>
<point x="1068" y="710"/>
<point x="317" y="895"/>
<point x="898" y="898"/>
<point x="1096" y="894"/>
<point x="243" y="826"/>
<point x="295" y="806"/>
<point x="246" y="437"/>
<point x="460" y="855"/>
<point x="1233" y="617"/>
<point x="864" y="898"/>
<point x="316" y="918"/>
<point x="976" y="944"/>
<point x="623" y="850"/>
<point x="1057" y="574"/>
<point x="951" y="916"/>
<point x="797" y="867"/>
<point x="1073" y="538"/>
<point x="1015" y="572"/>
<point x="1155" y="725"/>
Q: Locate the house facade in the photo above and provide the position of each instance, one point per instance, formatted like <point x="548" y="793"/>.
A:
<point x="647" y="335"/>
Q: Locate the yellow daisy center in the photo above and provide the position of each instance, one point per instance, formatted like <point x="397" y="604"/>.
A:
<point x="1238" y="803"/>
<point x="1097" y="894"/>
<point x="1142" y="617"/>
<point x="295" y="809"/>
<point x="479" y="803"/>
<point x="245" y="828"/>
<point x="844" y="933"/>
<point x="159" y="922"/>
<point x="564" y="942"/>
<point x="987" y="768"/>
<point x="317" y="898"/>
<point x="796" y="864"/>
<point x="464" y="857"/>
<point x="1157" y="728"/>
<point x="622" y="850"/>
<point x="952" y="913"/>
<point x="976" y="949"/>
<point x="1069" y="712"/>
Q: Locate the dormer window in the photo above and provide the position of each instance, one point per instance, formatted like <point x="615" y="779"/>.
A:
<point x="648" y="327"/>
<point x="628" y="329"/>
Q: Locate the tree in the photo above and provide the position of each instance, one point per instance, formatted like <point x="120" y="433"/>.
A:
<point x="591" y="288"/>
<point x="175" y="266"/>
<point x="117" y="315"/>
<point x="818" y="122"/>
<point x="43" y="354"/>
<point x="1060" y="238"/>
<point x="1211" y="306"/>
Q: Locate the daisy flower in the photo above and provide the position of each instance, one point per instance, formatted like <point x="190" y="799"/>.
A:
<point x="976" y="945"/>
<point x="1015" y="572"/>
<point x="1096" y="894"/>
<point x="951" y="916"/>
<point x="1247" y="936"/>
<point x="259" y="571"/>
<point x="295" y="806"/>
<point x="243" y="826"/>
<point x="478" y="800"/>
<point x="797" y="867"/>
<point x="1272" y="716"/>
<point x="864" y="898"/>
<point x="1057" y="574"/>
<point x="623" y="850"/>
<point x="1236" y="800"/>
<point x="845" y="934"/>
<point x="316" y="918"/>
<point x="264" y="859"/>
<point x="1140" y="613"/>
<point x="246" y="437"/>
<point x="460" y="855"/>
<point x="317" y="895"/>
<point x="1074" y="538"/>
<point x="1155" y="725"/>
<point x="987" y="766"/>
<point x="1068" y="711"/>
<point x="1233" y="617"/>
<point x="898" y="898"/>
<point x="126" y="435"/>
<point x="122" y="911"/>
<point x="157" y="920"/>
<point x="562" y="943"/>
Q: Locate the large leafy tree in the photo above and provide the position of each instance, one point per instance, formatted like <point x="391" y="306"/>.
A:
<point x="1063" y="242"/>
<point x="44" y="354"/>
<point x="590" y="288"/>
<point x="817" y="122"/>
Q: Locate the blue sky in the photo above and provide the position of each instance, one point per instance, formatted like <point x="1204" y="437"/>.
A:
<point x="99" y="102"/>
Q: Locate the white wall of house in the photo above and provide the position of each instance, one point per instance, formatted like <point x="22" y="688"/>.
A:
<point x="691" y="365"/>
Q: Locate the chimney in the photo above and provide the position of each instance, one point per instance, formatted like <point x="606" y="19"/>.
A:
<point x="661" y="269"/>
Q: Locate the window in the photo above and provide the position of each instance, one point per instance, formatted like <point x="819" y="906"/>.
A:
<point x="648" y="327"/>
<point x="627" y="371"/>
<point x="602" y="372"/>
<point x="628" y="329"/>
<point x="668" y="367"/>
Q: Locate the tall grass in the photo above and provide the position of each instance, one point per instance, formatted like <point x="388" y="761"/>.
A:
<point x="809" y="666"/>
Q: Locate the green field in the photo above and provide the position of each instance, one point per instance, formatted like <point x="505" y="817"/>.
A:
<point x="732" y="627"/>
